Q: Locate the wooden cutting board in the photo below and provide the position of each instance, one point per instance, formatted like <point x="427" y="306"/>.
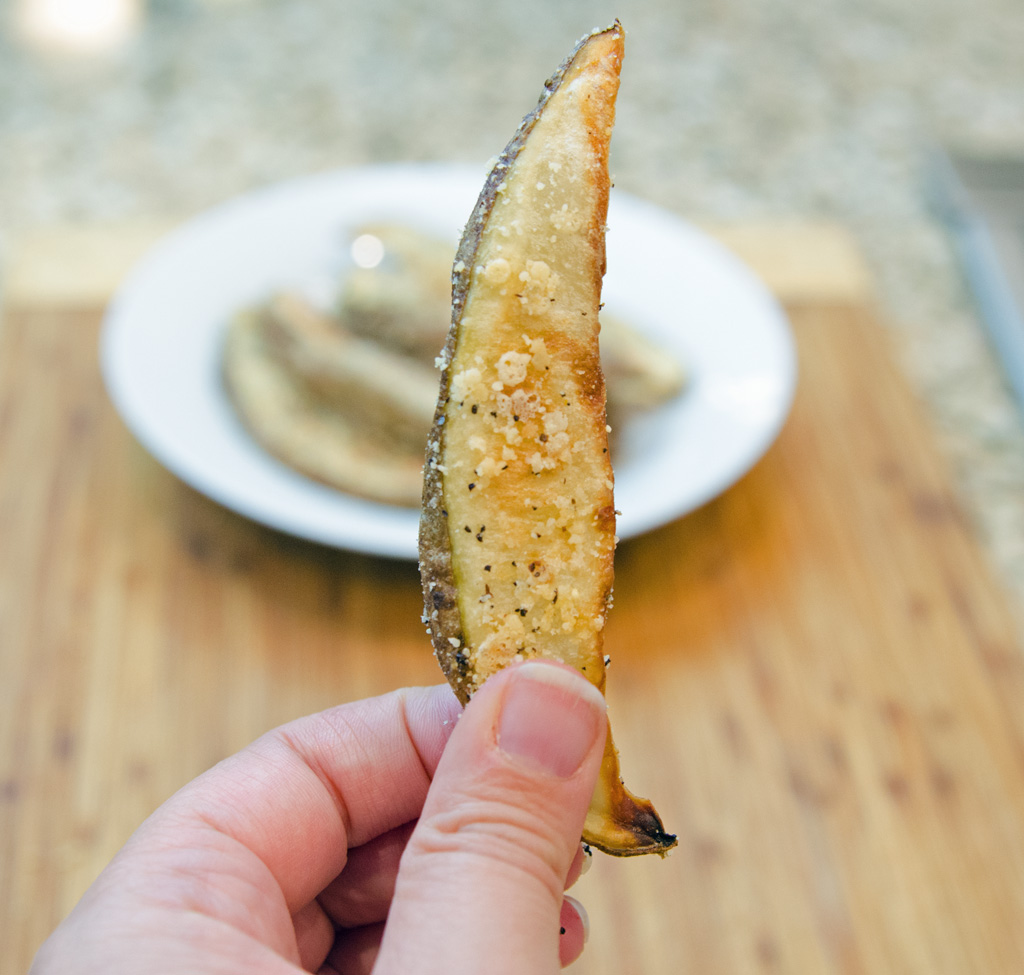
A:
<point x="814" y="676"/>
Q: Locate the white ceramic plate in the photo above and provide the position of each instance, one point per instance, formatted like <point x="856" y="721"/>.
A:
<point x="162" y="338"/>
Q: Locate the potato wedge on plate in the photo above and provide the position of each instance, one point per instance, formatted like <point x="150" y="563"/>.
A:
<point x="301" y="427"/>
<point x="517" y="533"/>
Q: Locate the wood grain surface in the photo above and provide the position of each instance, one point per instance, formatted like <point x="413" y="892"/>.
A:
<point x="814" y="676"/>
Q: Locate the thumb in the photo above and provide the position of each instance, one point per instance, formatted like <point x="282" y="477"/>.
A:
<point x="480" y="884"/>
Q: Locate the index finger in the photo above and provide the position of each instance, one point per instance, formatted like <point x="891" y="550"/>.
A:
<point x="300" y="796"/>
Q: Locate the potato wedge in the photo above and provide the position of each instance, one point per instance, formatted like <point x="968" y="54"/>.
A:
<point x="303" y="431"/>
<point x="404" y="301"/>
<point x="639" y="374"/>
<point x="517" y="532"/>
<point x="389" y="396"/>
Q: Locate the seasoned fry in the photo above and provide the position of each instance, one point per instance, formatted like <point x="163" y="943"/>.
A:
<point x="304" y="432"/>
<point x="639" y="375"/>
<point x="404" y="301"/>
<point x="387" y="395"/>
<point x="517" y="533"/>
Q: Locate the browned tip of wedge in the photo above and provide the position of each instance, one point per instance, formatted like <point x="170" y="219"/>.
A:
<point x="619" y="822"/>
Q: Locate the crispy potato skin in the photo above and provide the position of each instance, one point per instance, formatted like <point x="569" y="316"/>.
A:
<point x="517" y="532"/>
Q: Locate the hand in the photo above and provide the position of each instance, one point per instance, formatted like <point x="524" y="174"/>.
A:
<point x="460" y="833"/>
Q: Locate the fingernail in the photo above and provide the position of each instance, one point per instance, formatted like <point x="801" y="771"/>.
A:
<point x="550" y="718"/>
<point x="584" y="917"/>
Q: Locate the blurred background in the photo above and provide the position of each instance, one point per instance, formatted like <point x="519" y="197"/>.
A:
<point x="815" y="673"/>
<point x="730" y="110"/>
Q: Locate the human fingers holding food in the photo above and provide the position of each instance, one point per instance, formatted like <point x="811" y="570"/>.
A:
<point x="284" y="857"/>
<point x="481" y="881"/>
<point x="348" y="843"/>
<point x="231" y="869"/>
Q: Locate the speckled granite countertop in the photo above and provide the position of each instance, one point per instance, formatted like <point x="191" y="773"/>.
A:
<point x="730" y="110"/>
